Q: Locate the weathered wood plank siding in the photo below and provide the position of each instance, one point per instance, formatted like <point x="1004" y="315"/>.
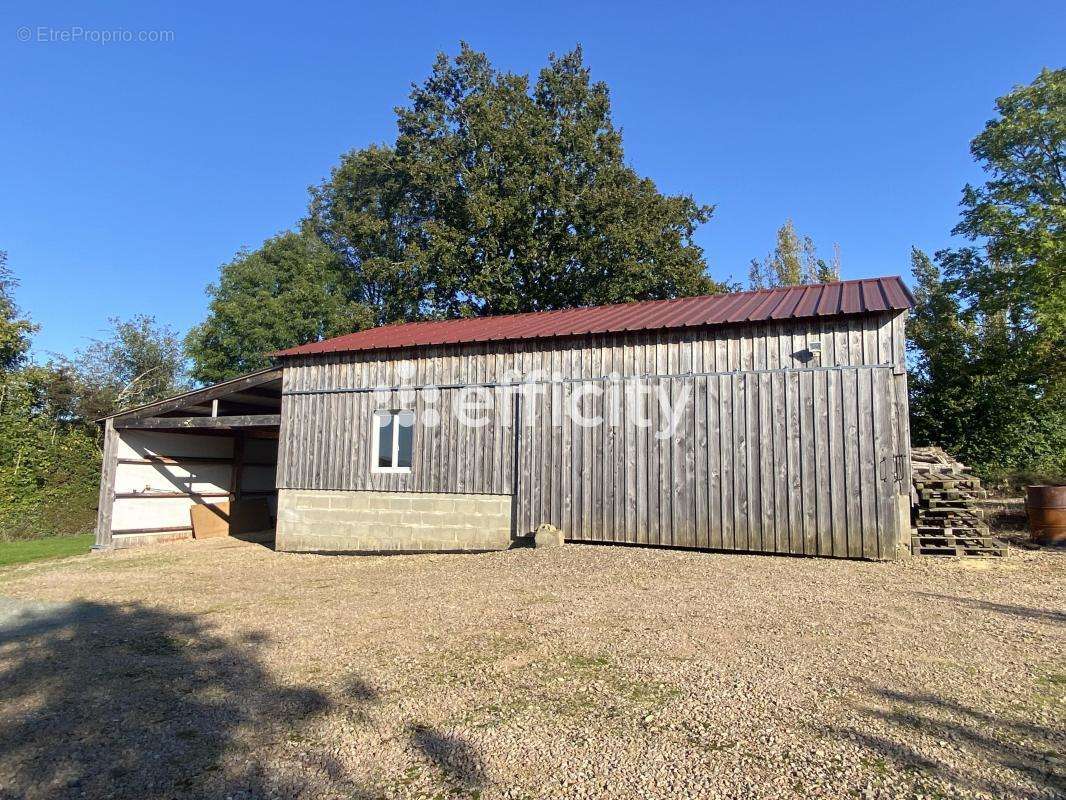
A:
<point x="773" y="452"/>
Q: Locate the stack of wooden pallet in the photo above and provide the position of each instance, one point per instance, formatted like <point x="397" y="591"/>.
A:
<point x="950" y="522"/>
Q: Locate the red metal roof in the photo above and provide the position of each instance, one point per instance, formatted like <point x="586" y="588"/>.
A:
<point x="790" y="302"/>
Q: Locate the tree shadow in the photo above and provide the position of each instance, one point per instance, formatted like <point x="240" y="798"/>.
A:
<point x="127" y="701"/>
<point x="458" y="762"/>
<point x="1023" y="750"/>
<point x="1008" y="609"/>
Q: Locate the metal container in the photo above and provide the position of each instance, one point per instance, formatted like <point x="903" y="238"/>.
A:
<point x="1046" y="507"/>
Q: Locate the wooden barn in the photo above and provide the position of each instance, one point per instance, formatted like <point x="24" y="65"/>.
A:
<point x="767" y="421"/>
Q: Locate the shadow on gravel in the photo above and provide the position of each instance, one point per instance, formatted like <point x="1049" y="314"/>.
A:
<point x="1023" y="612"/>
<point x="459" y="763"/>
<point x="1029" y="751"/>
<point x="127" y="701"/>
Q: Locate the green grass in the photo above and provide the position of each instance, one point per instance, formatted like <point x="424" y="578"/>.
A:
<point x="25" y="550"/>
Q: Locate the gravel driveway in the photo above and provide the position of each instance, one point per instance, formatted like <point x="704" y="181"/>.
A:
<point x="222" y="669"/>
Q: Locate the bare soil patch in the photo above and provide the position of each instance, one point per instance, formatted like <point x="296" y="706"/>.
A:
<point x="222" y="669"/>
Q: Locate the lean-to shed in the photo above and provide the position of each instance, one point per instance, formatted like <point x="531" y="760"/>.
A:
<point x="768" y="421"/>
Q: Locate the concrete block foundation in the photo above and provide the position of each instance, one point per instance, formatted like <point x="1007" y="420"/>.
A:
<point x="312" y="520"/>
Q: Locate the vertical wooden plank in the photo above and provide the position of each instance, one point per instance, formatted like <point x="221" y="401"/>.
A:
<point x="106" y="502"/>
<point x="460" y="433"/>
<point x="782" y="504"/>
<point x="589" y="454"/>
<point x="559" y="397"/>
<point x="303" y="441"/>
<point x="618" y="449"/>
<point x="344" y="424"/>
<point x="849" y="402"/>
<point x="298" y="434"/>
<point x="472" y="439"/>
<point x="751" y="455"/>
<point x="809" y="477"/>
<point x="767" y="498"/>
<point x="291" y="428"/>
<point x="728" y="449"/>
<point x="713" y="459"/>
<point x="700" y="475"/>
<point x="867" y="464"/>
<point x="638" y="402"/>
<point x="607" y="455"/>
<point x="654" y="462"/>
<point x="558" y="494"/>
<point x="684" y="405"/>
<point x="314" y="424"/>
<point x="594" y="437"/>
<point x="283" y="454"/>
<point x="435" y="402"/>
<point x="837" y="464"/>
<point x="236" y="468"/>
<point x="870" y="344"/>
<point x="328" y="427"/>
<point x="339" y="445"/>
<point x="794" y="462"/>
<point x="742" y="518"/>
<point x="318" y="423"/>
<point x="823" y="483"/>
<point x="884" y="489"/>
<point x="593" y="466"/>
<point x="630" y="447"/>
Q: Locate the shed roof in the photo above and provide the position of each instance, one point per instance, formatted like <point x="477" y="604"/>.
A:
<point x="789" y="302"/>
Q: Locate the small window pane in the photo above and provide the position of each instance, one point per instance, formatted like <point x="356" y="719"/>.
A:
<point x="384" y="439"/>
<point x="405" y="438"/>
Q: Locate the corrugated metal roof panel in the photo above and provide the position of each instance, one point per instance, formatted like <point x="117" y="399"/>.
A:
<point x="791" y="302"/>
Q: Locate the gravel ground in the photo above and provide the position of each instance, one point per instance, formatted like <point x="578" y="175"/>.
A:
<point x="222" y="669"/>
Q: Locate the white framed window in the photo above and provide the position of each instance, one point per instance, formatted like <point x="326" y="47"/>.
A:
<point x="393" y="441"/>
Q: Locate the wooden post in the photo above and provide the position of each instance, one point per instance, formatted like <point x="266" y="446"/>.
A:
<point x="106" y="502"/>
<point x="236" y="468"/>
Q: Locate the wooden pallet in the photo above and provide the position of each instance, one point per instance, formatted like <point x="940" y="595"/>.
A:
<point x="978" y="531"/>
<point x="953" y="544"/>
<point x="951" y="494"/>
<point x="949" y="521"/>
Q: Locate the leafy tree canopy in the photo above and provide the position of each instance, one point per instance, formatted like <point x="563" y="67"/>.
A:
<point x="500" y="194"/>
<point x="15" y="330"/>
<point x="969" y="389"/>
<point x="793" y="261"/>
<point x="987" y="336"/>
<point x="49" y="461"/>
<point x="290" y="291"/>
<point x="140" y="361"/>
<point x="1017" y="221"/>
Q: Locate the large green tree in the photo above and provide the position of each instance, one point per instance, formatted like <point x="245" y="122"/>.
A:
<point x="987" y="335"/>
<point x="970" y="392"/>
<point x="1016" y="266"/>
<point x="290" y="291"/>
<point x="500" y="194"/>
<point x="521" y="199"/>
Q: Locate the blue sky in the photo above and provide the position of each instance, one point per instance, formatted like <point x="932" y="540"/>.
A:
<point x="131" y="171"/>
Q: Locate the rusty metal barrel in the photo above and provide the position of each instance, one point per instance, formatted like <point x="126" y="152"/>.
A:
<point x="1046" y="507"/>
